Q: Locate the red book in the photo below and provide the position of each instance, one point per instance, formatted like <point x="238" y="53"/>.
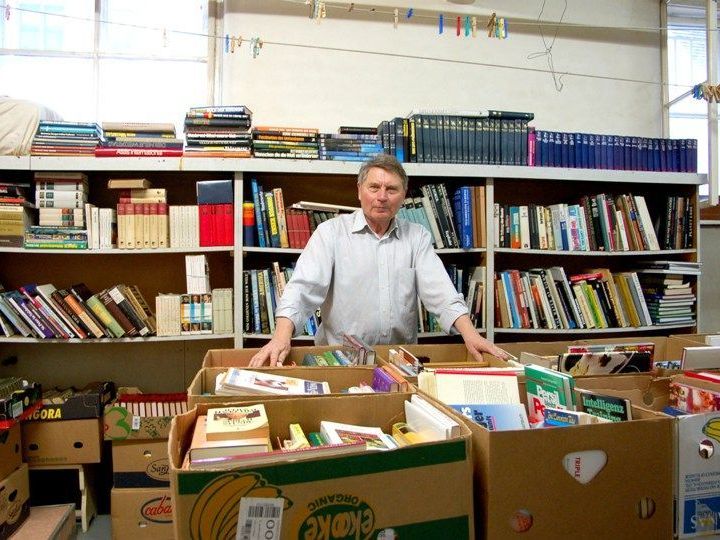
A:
<point x="205" y="218"/>
<point x="292" y="228"/>
<point x="306" y="229"/>
<point x="228" y="223"/>
<point x="136" y="152"/>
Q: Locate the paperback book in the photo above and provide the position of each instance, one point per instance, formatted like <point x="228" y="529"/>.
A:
<point x="495" y="417"/>
<point x="594" y="363"/>
<point x="244" y="381"/>
<point x="242" y="422"/>
<point x="615" y="409"/>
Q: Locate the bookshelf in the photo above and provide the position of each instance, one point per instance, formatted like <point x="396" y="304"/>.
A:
<point x="322" y="181"/>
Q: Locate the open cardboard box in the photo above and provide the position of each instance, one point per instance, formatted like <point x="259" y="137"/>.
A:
<point x="139" y="514"/>
<point x="696" y="448"/>
<point x="14" y="501"/>
<point x="419" y="491"/>
<point x="202" y="387"/>
<point x="522" y="486"/>
<point x="241" y="357"/>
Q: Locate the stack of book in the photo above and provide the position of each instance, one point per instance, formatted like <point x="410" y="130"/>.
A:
<point x="677" y="224"/>
<point x="215" y="206"/>
<point x="669" y="297"/>
<point x="221" y="131"/>
<point x="45" y="312"/>
<point x="350" y="144"/>
<point x="139" y="139"/>
<point x="60" y="198"/>
<point x="15" y="213"/>
<point x="65" y="139"/>
<point x="285" y="142"/>
<point x="187" y="314"/>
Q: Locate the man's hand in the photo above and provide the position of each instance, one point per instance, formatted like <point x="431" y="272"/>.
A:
<point x="273" y="353"/>
<point x="277" y="349"/>
<point x="475" y="343"/>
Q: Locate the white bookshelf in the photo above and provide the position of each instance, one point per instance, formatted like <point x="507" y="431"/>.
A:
<point x="585" y="331"/>
<point x="115" y="251"/>
<point x="565" y="253"/>
<point x="105" y="341"/>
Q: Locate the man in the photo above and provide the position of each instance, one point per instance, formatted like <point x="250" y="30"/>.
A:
<point x="366" y="270"/>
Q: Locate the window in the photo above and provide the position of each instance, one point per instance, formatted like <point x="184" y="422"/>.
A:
<point x="108" y="60"/>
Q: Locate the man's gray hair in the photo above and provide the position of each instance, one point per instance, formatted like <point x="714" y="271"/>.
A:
<point x="387" y="163"/>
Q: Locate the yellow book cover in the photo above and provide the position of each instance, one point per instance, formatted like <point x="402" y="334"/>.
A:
<point x="240" y="422"/>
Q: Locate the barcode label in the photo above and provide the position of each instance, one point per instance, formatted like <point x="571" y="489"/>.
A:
<point x="259" y="518"/>
<point x="135" y="423"/>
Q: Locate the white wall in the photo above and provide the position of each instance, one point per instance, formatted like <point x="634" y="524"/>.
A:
<point x="327" y="88"/>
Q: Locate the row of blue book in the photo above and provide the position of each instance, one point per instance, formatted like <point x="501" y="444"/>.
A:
<point x="616" y="152"/>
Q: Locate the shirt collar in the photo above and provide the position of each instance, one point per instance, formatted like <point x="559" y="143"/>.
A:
<point x="360" y="223"/>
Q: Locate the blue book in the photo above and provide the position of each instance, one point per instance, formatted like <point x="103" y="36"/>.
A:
<point x="255" y="301"/>
<point x="627" y="142"/>
<point x="557" y="158"/>
<point x="591" y="151"/>
<point x="585" y="151"/>
<point x="259" y="223"/>
<point x="577" y="145"/>
<point x="464" y="217"/>
<point x="542" y="137"/>
<point x="495" y="416"/>
<point x="619" y="153"/>
<point x="599" y="154"/>
<point x="511" y="295"/>
<point x="609" y="152"/>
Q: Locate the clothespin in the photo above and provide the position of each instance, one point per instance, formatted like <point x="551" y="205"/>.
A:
<point x="396" y="15"/>
<point x="409" y="13"/>
<point x="232" y="44"/>
<point x="441" y="22"/>
<point x="473" y="26"/>
<point x="491" y="25"/>
<point x="323" y="12"/>
<point x="457" y="27"/>
<point x="227" y="43"/>
<point x="7" y="11"/>
<point x="164" y="37"/>
<point x="502" y="26"/>
<point x="256" y="44"/>
<point x="351" y="6"/>
<point x="313" y="7"/>
<point x="467" y="26"/>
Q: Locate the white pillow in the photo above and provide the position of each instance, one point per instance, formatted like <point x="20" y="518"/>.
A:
<point x="19" y="121"/>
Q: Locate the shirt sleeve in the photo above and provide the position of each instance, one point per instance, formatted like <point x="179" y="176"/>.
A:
<point x="436" y="290"/>
<point x="309" y="284"/>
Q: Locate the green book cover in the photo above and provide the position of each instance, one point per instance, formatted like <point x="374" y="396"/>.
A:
<point x="547" y="388"/>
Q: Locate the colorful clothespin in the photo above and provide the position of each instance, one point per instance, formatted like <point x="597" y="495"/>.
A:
<point x="232" y="44"/>
<point x="441" y="23"/>
<point x="491" y="25"/>
<point x="7" y="11"/>
<point x="457" y="27"/>
<point x="396" y="16"/>
<point x="227" y="43"/>
<point x="323" y="12"/>
<point x="409" y="13"/>
<point x="351" y="6"/>
<point x="473" y="26"/>
<point x="256" y="44"/>
<point x="467" y="26"/>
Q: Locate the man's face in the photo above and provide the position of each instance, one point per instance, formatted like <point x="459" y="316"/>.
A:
<point x="381" y="195"/>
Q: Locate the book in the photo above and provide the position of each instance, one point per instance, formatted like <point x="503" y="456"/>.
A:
<point x="253" y="382"/>
<point x="605" y="363"/>
<point x="562" y="418"/>
<point x="693" y="399"/>
<point x="615" y="409"/>
<point x="278" y="456"/>
<point x="547" y="388"/>
<point x="482" y="385"/>
<point x="201" y="447"/>
<point x="373" y="437"/>
<point x="240" y="422"/>
<point x="495" y="416"/>
<point x="429" y="422"/>
<point x="128" y="183"/>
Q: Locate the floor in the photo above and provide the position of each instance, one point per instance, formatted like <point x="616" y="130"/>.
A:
<point x="99" y="529"/>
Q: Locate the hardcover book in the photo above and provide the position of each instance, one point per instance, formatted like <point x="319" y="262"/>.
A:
<point x="605" y="363"/>
<point x="241" y="422"/>
<point x="201" y="447"/>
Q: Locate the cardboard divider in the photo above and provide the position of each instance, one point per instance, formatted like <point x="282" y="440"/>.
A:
<point x="241" y="357"/>
<point x="202" y="387"/>
<point x="418" y="491"/>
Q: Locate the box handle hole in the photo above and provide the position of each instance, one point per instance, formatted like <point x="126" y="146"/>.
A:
<point x="646" y="508"/>
<point x="78" y="444"/>
<point x="706" y="449"/>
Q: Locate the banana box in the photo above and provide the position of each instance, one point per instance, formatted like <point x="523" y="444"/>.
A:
<point x="10" y="450"/>
<point x="14" y="501"/>
<point x="696" y="448"/>
<point x="418" y="491"/>
<point x="202" y="387"/>
<point x="141" y="513"/>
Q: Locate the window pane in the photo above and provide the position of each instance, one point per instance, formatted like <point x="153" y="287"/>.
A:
<point x="686" y="127"/>
<point x="189" y="16"/>
<point x="686" y="59"/>
<point x="35" y="31"/>
<point x="62" y="84"/>
<point x="150" y="91"/>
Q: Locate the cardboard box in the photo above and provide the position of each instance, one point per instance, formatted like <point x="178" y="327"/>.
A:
<point x="140" y="463"/>
<point x="241" y="357"/>
<point x="696" y="449"/>
<point x="137" y="514"/>
<point x="120" y="424"/>
<point x="521" y="485"/>
<point x="66" y="442"/>
<point x="10" y="450"/>
<point x="18" y="404"/>
<point x="14" y="501"/>
<point x="202" y="387"/>
<point x="420" y="491"/>
<point x="88" y="403"/>
<point x="51" y="522"/>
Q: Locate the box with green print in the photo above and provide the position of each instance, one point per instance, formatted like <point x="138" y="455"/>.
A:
<point x="348" y="496"/>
